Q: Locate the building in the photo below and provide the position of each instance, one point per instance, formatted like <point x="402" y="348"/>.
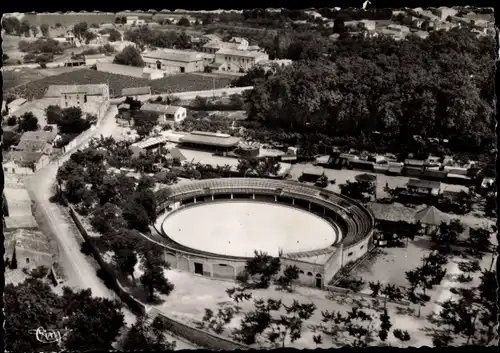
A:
<point x="173" y="61"/>
<point x="36" y="141"/>
<point x="153" y="144"/>
<point x="25" y="162"/>
<point x="210" y="141"/>
<point x="274" y="64"/>
<point x="32" y="248"/>
<point x="135" y="21"/>
<point x="92" y="99"/>
<point x="238" y="60"/>
<point x="206" y="38"/>
<point x="167" y="114"/>
<point x="249" y="149"/>
<point x="93" y="59"/>
<point x="214" y="46"/>
<point x="132" y="71"/>
<point x="424" y="187"/>
<point x="70" y="37"/>
<point x="15" y="105"/>
<point x="312" y="174"/>
<point x="136" y="92"/>
<point x="175" y="153"/>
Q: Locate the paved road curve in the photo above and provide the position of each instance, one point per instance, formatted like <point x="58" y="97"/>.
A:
<point x="79" y="272"/>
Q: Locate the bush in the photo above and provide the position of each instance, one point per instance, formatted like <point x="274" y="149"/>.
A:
<point x="39" y="272"/>
<point x="351" y="283"/>
<point x="43" y="65"/>
<point x="12" y="121"/>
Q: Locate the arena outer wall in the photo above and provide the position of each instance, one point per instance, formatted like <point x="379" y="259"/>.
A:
<point x="317" y="267"/>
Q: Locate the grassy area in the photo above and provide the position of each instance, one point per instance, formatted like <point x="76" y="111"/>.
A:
<point x="177" y="83"/>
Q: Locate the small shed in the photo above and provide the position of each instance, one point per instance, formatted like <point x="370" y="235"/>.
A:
<point x="312" y="174"/>
<point x="424" y="187"/>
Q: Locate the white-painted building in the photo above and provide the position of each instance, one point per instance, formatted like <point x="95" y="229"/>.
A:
<point x="238" y="60"/>
<point x="167" y="114"/>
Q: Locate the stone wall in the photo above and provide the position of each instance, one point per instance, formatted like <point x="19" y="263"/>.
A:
<point x="110" y="276"/>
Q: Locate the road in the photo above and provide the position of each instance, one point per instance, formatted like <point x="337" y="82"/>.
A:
<point x="79" y="272"/>
<point x="191" y="94"/>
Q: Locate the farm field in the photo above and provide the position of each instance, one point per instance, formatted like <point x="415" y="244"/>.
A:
<point x="177" y="83"/>
<point x="13" y="78"/>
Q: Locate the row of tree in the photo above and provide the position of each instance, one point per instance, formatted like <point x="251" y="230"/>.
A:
<point x="118" y="207"/>
<point x="13" y="26"/>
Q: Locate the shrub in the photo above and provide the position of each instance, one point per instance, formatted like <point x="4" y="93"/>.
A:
<point x="39" y="272"/>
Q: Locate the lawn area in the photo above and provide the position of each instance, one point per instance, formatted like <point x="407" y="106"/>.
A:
<point x="177" y="83"/>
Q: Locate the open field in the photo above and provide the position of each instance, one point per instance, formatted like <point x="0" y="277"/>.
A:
<point x="238" y="228"/>
<point x="177" y="83"/>
<point x="13" y="78"/>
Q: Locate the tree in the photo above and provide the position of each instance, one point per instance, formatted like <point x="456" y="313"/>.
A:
<point x="322" y="181"/>
<point x="34" y="30"/>
<point x="44" y="28"/>
<point x="261" y="323"/>
<point x="130" y="55"/>
<point x="153" y="277"/>
<point x="126" y="259"/>
<point x="28" y="122"/>
<point x="358" y="190"/>
<point x="12" y="121"/>
<point x="25" y="28"/>
<point x="95" y="323"/>
<point x="146" y="198"/>
<point x="144" y="336"/>
<point x="401" y="335"/>
<point x="290" y="274"/>
<point x="479" y="239"/>
<point x="183" y="21"/>
<point x="80" y="31"/>
<point x="75" y="188"/>
<point x="71" y="121"/>
<point x="385" y="325"/>
<point x="11" y="25"/>
<point x="264" y="266"/>
<point x="136" y="216"/>
<point x="13" y="262"/>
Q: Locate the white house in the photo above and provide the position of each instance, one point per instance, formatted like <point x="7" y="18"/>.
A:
<point x="135" y="21"/>
<point x="93" y="59"/>
<point x="167" y="114"/>
<point x="238" y="60"/>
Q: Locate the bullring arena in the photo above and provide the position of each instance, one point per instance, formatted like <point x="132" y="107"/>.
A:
<point x="211" y="227"/>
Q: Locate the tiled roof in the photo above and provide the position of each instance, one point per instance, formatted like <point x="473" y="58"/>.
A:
<point x="24" y="157"/>
<point x="392" y="213"/>
<point x="173" y="55"/>
<point x="31" y="145"/>
<point x="136" y="91"/>
<point x="47" y="136"/>
<point x="150" y="142"/>
<point x="244" y="53"/>
<point x="176" y="153"/>
<point x="58" y="90"/>
<point x="211" y="139"/>
<point x="160" y="108"/>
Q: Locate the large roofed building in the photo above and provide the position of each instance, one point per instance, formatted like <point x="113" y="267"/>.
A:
<point x="210" y="141"/>
<point x="174" y="61"/>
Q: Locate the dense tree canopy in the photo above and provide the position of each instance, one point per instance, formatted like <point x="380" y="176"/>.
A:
<point x="438" y="87"/>
<point x="130" y="55"/>
<point x="94" y="322"/>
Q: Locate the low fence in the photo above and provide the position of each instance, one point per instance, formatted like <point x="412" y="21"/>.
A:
<point x="350" y="292"/>
<point x="199" y="337"/>
<point x="108" y="273"/>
